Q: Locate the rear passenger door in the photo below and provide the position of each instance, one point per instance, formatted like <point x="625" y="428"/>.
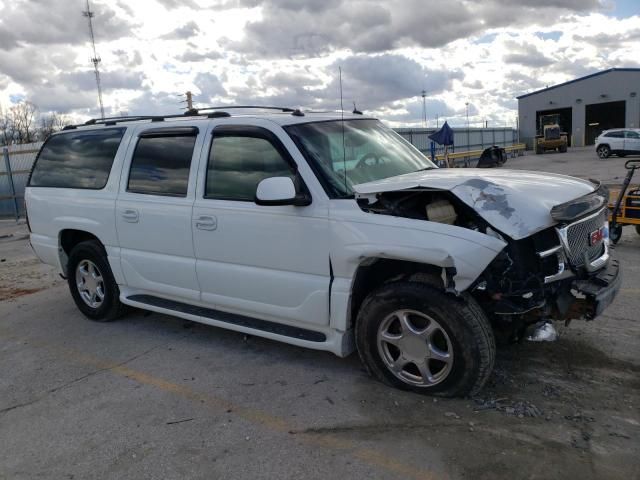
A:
<point x="616" y="140"/>
<point x="632" y="141"/>
<point x="153" y="212"/>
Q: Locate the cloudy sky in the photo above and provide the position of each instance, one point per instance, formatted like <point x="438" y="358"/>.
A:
<point x="287" y="52"/>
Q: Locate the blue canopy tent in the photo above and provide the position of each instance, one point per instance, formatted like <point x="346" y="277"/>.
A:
<point x="444" y="136"/>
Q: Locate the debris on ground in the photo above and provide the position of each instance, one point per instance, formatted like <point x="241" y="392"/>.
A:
<point x="518" y="408"/>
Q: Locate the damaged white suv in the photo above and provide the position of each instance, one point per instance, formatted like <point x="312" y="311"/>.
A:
<point x="320" y="232"/>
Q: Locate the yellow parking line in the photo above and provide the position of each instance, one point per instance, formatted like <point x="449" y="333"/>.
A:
<point x="258" y="417"/>
<point x="630" y="291"/>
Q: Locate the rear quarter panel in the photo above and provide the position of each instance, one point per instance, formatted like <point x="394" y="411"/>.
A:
<point x="52" y="210"/>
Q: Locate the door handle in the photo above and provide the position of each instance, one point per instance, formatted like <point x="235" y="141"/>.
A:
<point x="206" y="222"/>
<point x="130" y="215"/>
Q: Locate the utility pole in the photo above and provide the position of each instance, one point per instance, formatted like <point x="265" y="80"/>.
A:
<point x="468" y="134"/>
<point x="95" y="59"/>
<point x="424" y="109"/>
<point x="189" y="102"/>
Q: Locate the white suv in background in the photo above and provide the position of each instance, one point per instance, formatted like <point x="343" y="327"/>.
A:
<point x="619" y="141"/>
<point x="327" y="233"/>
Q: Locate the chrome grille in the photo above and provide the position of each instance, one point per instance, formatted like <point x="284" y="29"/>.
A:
<point x="578" y="239"/>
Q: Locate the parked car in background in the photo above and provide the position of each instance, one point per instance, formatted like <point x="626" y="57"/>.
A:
<point x="618" y="141"/>
<point x="320" y="231"/>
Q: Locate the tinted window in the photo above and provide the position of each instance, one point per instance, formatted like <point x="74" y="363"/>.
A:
<point x="631" y="134"/>
<point x="615" y="134"/>
<point x="238" y="164"/>
<point x="80" y="159"/>
<point x="160" y="165"/>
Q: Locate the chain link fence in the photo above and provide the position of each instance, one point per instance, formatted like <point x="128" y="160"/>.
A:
<point x="15" y="166"/>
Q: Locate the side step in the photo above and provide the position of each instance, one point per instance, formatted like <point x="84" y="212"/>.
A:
<point x="232" y="318"/>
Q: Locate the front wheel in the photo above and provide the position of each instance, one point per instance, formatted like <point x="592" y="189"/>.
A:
<point x="415" y="337"/>
<point x="603" y="151"/>
<point x="91" y="282"/>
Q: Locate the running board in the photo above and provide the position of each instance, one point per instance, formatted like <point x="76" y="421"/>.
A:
<point x="231" y="318"/>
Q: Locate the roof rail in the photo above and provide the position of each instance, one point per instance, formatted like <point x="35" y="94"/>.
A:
<point x="260" y="107"/>
<point x="114" y="120"/>
<point x="218" y="112"/>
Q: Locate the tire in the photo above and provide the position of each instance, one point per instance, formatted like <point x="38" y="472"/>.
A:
<point x="459" y="328"/>
<point x="638" y="229"/>
<point x="603" y="151"/>
<point x="539" y="150"/>
<point x="563" y="149"/>
<point x="615" y="233"/>
<point x="88" y="261"/>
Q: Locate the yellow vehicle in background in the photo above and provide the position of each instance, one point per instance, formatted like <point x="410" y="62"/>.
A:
<point x="550" y="136"/>
<point x="624" y="207"/>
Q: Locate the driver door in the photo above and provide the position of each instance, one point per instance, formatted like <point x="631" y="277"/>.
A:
<point x="269" y="262"/>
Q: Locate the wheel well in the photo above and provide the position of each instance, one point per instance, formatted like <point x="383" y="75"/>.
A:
<point x="374" y="272"/>
<point x="603" y="145"/>
<point x="69" y="238"/>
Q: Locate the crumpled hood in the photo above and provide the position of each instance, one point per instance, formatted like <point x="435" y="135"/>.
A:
<point x="516" y="202"/>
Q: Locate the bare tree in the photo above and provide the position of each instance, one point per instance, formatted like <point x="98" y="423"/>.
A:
<point x="24" y="115"/>
<point x="50" y="123"/>
<point x="7" y="127"/>
<point x="22" y="124"/>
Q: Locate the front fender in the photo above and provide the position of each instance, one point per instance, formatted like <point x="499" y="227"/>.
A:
<point x="358" y="236"/>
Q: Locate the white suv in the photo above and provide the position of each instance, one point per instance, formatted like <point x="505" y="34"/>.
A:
<point x="619" y="141"/>
<point x="320" y="232"/>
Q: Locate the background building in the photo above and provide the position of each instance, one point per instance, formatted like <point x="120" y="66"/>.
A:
<point x="587" y="105"/>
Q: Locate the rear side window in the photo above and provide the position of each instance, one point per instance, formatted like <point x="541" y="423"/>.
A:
<point x="161" y="163"/>
<point x="80" y="159"/>
<point x="631" y="134"/>
<point x="615" y="134"/>
<point x="238" y="163"/>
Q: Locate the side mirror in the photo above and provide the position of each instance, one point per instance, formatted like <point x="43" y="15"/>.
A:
<point x="280" y="191"/>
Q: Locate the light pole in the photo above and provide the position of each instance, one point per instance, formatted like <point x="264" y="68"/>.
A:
<point x="424" y="109"/>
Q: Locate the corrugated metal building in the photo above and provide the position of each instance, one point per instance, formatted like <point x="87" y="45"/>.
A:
<point x="586" y="105"/>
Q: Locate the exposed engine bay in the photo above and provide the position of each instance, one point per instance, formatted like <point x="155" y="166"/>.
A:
<point x="523" y="284"/>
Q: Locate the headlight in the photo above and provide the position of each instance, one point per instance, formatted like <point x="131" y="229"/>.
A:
<point x="581" y="205"/>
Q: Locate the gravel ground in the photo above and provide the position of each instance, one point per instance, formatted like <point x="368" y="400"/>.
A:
<point x="152" y="396"/>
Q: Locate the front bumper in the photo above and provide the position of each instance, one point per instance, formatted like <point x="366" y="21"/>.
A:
<point x="596" y="292"/>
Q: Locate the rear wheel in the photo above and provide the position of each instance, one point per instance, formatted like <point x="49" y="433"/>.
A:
<point x="603" y="151"/>
<point x="615" y="233"/>
<point x="539" y="150"/>
<point x="415" y="337"/>
<point x="91" y="282"/>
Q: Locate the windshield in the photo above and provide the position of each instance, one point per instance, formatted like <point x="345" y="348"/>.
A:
<point x="369" y="151"/>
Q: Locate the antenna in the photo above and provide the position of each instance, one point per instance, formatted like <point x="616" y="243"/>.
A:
<point x="95" y="59"/>
<point x="344" y="153"/>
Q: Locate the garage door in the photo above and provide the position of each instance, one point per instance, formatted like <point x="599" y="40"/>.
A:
<point x="602" y="116"/>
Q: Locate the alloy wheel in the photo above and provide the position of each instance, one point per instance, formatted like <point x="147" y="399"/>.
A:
<point x="415" y="348"/>
<point x="90" y="283"/>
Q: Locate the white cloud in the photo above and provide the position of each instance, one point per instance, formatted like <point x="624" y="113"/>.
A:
<point x="288" y="51"/>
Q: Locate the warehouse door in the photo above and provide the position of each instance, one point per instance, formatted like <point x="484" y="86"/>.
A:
<point x="602" y="116"/>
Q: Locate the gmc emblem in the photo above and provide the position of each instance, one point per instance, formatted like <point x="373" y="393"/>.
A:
<point x="596" y="236"/>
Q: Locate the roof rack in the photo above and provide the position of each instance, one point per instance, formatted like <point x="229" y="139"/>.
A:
<point x="293" y="111"/>
<point x="259" y="107"/>
<point x="217" y="112"/>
